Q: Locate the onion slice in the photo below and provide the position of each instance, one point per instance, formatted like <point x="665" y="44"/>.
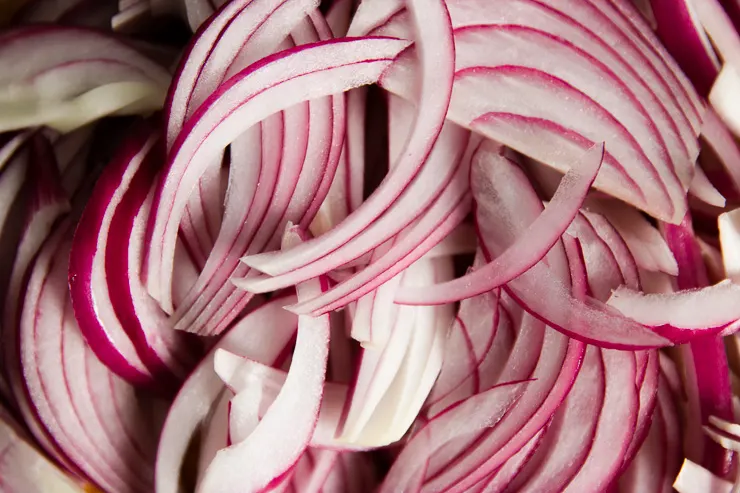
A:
<point x="267" y="452"/>
<point x="271" y="85"/>
<point x="529" y="248"/>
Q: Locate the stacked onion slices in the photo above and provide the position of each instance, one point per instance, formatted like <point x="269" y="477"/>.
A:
<point x="393" y="246"/>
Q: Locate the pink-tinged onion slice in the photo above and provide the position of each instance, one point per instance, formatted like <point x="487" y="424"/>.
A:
<point x="720" y="29"/>
<point x="268" y="452"/>
<point x="314" y="154"/>
<point x="644" y="241"/>
<point x="648" y="469"/>
<point x="448" y="212"/>
<point x="616" y="425"/>
<point x="538" y="289"/>
<point x="544" y="133"/>
<point x="274" y="84"/>
<point x="472" y="336"/>
<point x="715" y="306"/>
<point x="437" y="59"/>
<point x="95" y="418"/>
<point x="442" y="170"/>
<point x="514" y="467"/>
<point x="91" y="299"/>
<point x="702" y="189"/>
<point x="46" y="205"/>
<point x="569" y="438"/>
<point x="469" y="416"/>
<point x="242" y="28"/>
<point x="707" y="374"/>
<point x="262" y="335"/>
<point x="529" y="248"/>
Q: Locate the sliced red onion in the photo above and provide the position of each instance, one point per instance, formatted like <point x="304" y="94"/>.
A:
<point x="616" y="425"/>
<point x="720" y="29"/>
<point x="715" y="306"/>
<point x="311" y="158"/>
<point x="683" y="36"/>
<point x="257" y="386"/>
<point x="573" y="431"/>
<point x="293" y="76"/>
<point x="47" y="204"/>
<point x="534" y="410"/>
<point x="298" y="403"/>
<point x="702" y="189"/>
<point x="76" y="398"/>
<point x="514" y="132"/>
<point x="707" y="375"/>
<point x="529" y="248"/>
<point x="246" y="27"/>
<point x="203" y="214"/>
<point x="435" y="39"/>
<point x="477" y="413"/>
<point x="80" y="75"/>
<point x="94" y="311"/>
<point x="644" y="241"/>
<point x="201" y="391"/>
<point x="125" y="328"/>
<point x="436" y="175"/>
<point x="394" y="378"/>
<point x="448" y="212"/>
<point x="473" y="334"/>
<point x="648" y="470"/>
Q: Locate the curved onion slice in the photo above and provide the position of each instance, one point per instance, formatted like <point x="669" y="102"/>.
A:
<point x="435" y="177"/>
<point x="394" y="378"/>
<point x="127" y="333"/>
<point x="89" y="291"/>
<point x="694" y="478"/>
<point x="714" y="306"/>
<point x="534" y="124"/>
<point x="269" y="453"/>
<point x="285" y="182"/>
<point x="94" y="417"/>
<point x="276" y="83"/>
<point x="437" y="58"/>
<point x="707" y="380"/>
<point x="47" y="204"/>
<point x="256" y="386"/>
<point x="476" y="413"/>
<point x="246" y="30"/>
<point x="682" y="35"/>
<point x="250" y="338"/>
<point x="67" y="77"/>
<point x="530" y="247"/>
